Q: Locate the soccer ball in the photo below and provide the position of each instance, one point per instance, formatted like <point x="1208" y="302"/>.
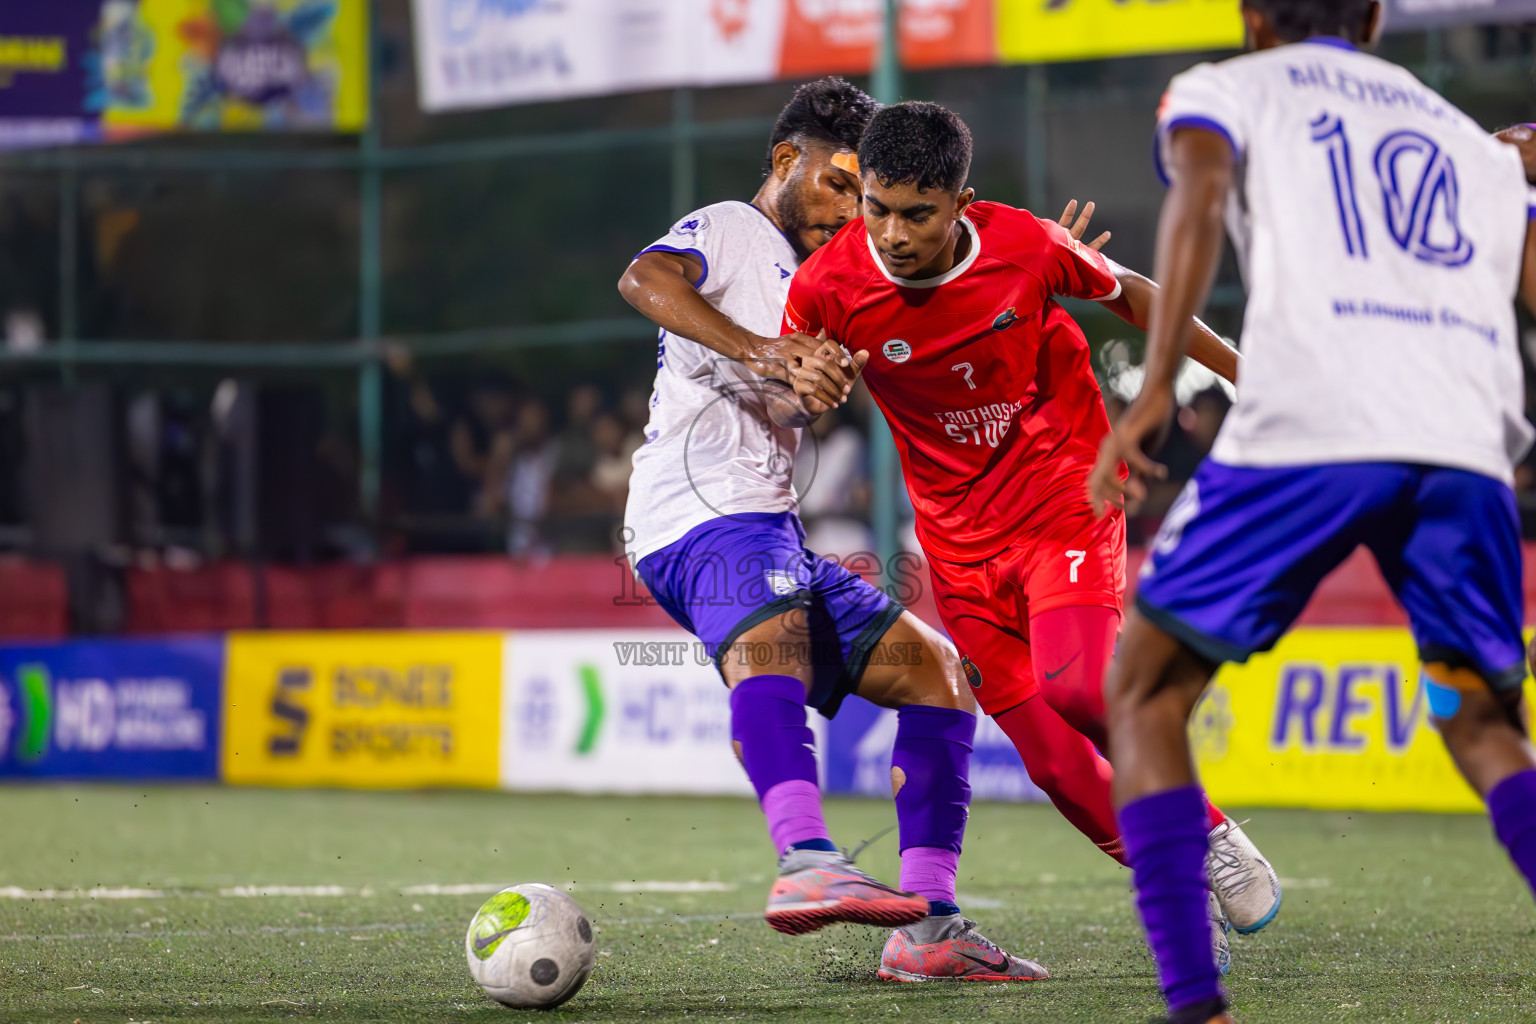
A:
<point x="530" y="946"/>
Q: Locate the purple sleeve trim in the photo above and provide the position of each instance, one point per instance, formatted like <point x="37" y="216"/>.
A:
<point x="1188" y="121"/>
<point x="699" y="284"/>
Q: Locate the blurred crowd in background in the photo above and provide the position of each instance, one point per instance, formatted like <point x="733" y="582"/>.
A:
<point x="183" y="367"/>
<point x="489" y="461"/>
<point x="475" y="460"/>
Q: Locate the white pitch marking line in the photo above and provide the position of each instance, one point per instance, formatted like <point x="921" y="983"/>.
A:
<point x="11" y="892"/>
<point x="690" y="886"/>
<point x="14" y="892"/>
<point x="286" y="890"/>
<point x="461" y="889"/>
<point x="272" y="930"/>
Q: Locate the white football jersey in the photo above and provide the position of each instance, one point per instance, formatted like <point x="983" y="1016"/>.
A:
<point x="1381" y="233"/>
<point x="710" y="448"/>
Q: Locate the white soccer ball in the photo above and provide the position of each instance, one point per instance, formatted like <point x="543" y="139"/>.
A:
<point x="530" y="946"/>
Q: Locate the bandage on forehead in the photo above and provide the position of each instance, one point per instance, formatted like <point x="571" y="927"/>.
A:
<point x="846" y="162"/>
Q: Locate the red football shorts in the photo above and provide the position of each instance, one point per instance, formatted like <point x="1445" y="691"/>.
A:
<point x="1074" y="560"/>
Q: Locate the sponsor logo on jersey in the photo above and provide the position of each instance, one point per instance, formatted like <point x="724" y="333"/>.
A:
<point x="782" y="582"/>
<point x="784" y="273"/>
<point x="896" y="350"/>
<point x="692" y="226"/>
<point x="972" y="673"/>
<point x="1006" y="319"/>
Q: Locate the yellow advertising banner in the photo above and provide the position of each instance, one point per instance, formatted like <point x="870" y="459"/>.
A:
<point x="233" y="65"/>
<point x="1332" y="719"/>
<point x="1046" y="30"/>
<point x="362" y="709"/>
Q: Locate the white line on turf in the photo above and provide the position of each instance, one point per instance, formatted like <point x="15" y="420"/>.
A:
<point x="11" y="892"/>
<point x="347" y="929"/>
<point x="15" y="892"/>
<point x="288" y="890"/>
<point x="462" y="889"/>
<point x="237" y="932"/>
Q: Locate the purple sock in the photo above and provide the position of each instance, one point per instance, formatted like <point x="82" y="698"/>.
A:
<point x="931" y="872"/>
<point x="768" y="720"/>
<point x="1166" y="838"/>
<point x="933" y="759"/>
<point x="1512" y="805"/>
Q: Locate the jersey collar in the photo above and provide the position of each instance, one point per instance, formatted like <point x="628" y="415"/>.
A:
<point x="931" y="282"/>
<point x="1338" y="42"/>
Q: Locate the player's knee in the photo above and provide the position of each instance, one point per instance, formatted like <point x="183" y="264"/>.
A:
<point x="1152" y="667"/>
<point x="914" y="664"/>
<point x="779" y="646"/>
<point x="936" y="679"/>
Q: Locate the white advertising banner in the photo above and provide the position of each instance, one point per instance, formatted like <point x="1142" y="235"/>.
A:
<point x="615" y="711"/>
<point x="482" y="53"/>
<point x="1412" y="15"/>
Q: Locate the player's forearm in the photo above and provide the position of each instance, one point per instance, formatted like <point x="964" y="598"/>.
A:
<point x="1523" y="138"/>
<point x="1189" y="243"/>
<point x="1134" y="305"/>
<point x="666" y="298"/>
<point x="1207" y="348"/>
<point x="1528" y="272"/>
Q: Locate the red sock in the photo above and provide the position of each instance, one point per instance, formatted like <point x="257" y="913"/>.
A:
<point x="1071" y="649"/>
<point x="1062" y="762"/>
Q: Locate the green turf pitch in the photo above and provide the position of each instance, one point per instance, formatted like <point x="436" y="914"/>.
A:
<point x="1387" y="917"/>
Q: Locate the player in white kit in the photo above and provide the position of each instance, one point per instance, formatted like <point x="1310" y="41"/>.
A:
<point x="711" y="530"/>
<point x="1383" y="236"/>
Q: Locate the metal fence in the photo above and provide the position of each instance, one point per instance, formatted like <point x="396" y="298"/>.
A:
<point x="484" y="210"/>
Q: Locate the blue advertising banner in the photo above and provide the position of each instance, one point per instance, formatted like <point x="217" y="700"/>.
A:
<point x="122" y="709"/>
<point x="856" y="756"/>
<point x="45" y="58"/>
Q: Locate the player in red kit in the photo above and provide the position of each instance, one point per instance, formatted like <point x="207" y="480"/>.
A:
<point x="946" y="306"/>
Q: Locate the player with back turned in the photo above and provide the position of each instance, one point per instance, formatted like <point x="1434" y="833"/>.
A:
<point x="1383" y="236"/>
<point x="987" y="384"/>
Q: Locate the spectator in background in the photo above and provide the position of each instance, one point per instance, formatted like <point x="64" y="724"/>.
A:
<point x="1198" y="423"/>
<point x="483" y="444"/>
<point x="635" y="412"/>
<point x="426" y="483"/>
<point x="530" y="457"/>
<point x="581" y="511"/>
<point x="1203" y="401"/>
<point x="578" y="448"/>
<point x="610" y="473"/>
<point x="1189" y="442"/>
<point x="832" y="480"/>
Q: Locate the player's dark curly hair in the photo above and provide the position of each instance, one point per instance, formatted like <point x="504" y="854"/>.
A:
<point x="917" y="143"/>
<point x="1295" y="20"/>
<point x="829" y="110"/>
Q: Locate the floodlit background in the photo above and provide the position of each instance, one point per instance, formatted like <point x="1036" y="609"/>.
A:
<point x="317" y="400"/>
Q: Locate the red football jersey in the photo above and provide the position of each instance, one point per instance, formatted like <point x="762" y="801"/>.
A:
<point x="985" y="380"/>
